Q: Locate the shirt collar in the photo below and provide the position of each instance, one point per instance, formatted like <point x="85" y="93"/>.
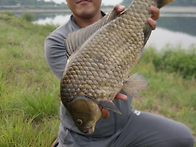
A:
<point x="75" y="27"/>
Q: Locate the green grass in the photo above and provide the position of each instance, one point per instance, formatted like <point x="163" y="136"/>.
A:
<point x="174" y="59"/>
<point x="29" y="91"/>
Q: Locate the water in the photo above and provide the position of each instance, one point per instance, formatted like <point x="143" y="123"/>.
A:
<point x="173" y="27"/>
<point x="162" y="37"/>
<point x="56" y="20"/>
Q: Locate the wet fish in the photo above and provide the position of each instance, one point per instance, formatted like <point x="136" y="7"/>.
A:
<point x="106" y="53"/>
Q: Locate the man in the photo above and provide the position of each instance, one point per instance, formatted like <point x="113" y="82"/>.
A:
<point x="132" y="128"/>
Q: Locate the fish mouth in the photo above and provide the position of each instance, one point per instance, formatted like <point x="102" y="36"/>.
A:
<point x="88" y="131"/>
<point x="83" y="1"/>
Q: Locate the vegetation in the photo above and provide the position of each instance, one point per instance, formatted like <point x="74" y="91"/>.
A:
<point x="9" y="13"/>
<point x="25" y="2"/>
<point x="29" y="102"/>
<point x="175" y="3"/>
<point x="28" y="16"/>
<point x="174" y="60"/>
<point x="29" y="91"/>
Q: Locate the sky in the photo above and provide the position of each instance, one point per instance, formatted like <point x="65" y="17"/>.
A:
<point x="105" y="2"/>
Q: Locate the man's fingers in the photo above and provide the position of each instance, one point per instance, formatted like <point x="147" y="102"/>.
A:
<point x="121" y="96"/>
<point x="152" y="23"/>
<point x="155" y="15"/>
<point x="105" y="113"/>
<point x="120" y="9"/>
<point x="155" y="12"/>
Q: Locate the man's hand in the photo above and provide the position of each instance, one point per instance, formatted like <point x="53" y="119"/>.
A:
<point x="120" y="9"/>
<point x="155" y="15"/>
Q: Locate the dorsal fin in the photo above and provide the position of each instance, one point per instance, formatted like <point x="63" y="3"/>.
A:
<point x="77" y="38"/>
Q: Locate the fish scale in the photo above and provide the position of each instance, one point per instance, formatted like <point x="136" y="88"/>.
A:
<point x="98" y="52"/>
<point x="100" y="67"/>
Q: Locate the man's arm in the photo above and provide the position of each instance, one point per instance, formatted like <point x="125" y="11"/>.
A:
<point x="155" y="15"/>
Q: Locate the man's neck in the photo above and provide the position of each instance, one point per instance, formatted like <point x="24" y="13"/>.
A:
<point x="82" y="22"/>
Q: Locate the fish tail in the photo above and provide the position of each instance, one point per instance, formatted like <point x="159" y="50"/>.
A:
<point x="161" y="3"/>
<point x="134" y="83"/>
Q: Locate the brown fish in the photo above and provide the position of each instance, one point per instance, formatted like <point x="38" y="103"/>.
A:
<point x="106" y="53"/>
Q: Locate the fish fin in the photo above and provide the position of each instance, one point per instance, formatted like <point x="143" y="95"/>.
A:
<point x="109" y="105"/>
<point x="134" y="83"/>
<point x="161" y="3"/>
<point x="147" y="31"/>
<point x="75" y="39"/>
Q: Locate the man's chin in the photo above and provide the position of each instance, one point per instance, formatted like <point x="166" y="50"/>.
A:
<point x="84" y="2"/>
<point x="86" y="15"/>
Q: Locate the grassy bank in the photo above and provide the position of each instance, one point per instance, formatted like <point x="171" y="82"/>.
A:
<point x="29" y="92"/>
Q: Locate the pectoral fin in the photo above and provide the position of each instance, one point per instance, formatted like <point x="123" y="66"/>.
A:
<point x="134" y="83"/>
<point x="109" y="105"/>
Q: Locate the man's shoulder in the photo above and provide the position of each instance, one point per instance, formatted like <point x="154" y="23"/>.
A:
<point x="61" y="32"/>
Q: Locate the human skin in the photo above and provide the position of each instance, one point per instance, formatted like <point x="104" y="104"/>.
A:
<point x="86" y="12"/>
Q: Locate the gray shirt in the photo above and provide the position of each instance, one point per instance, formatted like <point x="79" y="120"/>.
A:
<point x="55" y="53"/>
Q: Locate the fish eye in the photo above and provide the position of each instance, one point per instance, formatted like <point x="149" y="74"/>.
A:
<point x="79" y="122"/>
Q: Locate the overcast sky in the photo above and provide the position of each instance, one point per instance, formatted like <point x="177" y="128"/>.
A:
<point x="105" y="2"/>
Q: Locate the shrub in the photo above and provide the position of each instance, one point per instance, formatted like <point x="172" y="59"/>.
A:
<point x="28" y="16"/>
<point x="9" y="13"/>
<point x="174" y="60"/>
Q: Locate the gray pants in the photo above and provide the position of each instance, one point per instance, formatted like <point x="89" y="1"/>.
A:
<point x="141" y="130"/>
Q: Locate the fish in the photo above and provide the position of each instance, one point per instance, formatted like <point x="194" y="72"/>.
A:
<point x="101" y="57"/>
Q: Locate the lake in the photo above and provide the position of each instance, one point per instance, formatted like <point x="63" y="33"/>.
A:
<point x="176" y="26"/>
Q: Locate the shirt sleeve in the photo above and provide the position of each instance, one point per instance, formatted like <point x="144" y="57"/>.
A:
<point x="55" y="54"/>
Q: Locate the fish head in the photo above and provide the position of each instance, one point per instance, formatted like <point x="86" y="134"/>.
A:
<point x="84" y="114"/>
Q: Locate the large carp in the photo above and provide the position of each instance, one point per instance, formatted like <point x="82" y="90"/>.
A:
<point x="101" y="58"/>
